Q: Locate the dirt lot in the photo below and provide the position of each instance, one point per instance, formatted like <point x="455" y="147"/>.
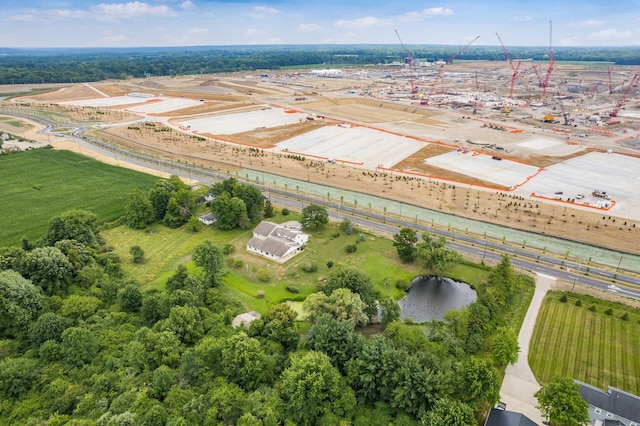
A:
<point x="435" y="188"/>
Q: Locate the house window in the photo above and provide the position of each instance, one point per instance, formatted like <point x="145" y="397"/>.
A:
<point x="597" y="411"/>
<point x="633" y="424"/>
<point x="610" y="415"/>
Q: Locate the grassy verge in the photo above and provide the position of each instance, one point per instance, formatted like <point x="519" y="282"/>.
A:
<point x="39" y="184"/>
<point x="591" y="343"/>
<point x="166" y="248"/>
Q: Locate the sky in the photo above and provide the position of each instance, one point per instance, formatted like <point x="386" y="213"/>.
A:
<point x="147" y="23"/>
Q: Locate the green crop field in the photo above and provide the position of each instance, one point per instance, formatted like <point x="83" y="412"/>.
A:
<point x="586" y="343"/>
<point x="39" y="184"/>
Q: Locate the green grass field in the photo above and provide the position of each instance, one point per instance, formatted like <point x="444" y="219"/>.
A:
<point x="39" y="184"/>
<point x="596" y="348"/>
<point x="166" y="248"/>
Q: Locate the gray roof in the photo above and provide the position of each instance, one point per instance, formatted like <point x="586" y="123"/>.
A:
<point x="273" y="246"/>
<point x="265" y="228"/>
<point x="614" y="401"/>
<point x="507" y="418"/>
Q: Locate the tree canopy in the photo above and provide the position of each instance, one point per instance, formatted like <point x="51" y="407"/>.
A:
<point x="560" y="402"/>
<point x="314" y="217"/>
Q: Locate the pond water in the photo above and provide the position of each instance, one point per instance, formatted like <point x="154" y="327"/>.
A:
<point x="431" y="297"/>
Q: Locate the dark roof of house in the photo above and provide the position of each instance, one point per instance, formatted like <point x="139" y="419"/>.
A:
<point x="615" y="401"/>
<point x="507" y="418"/>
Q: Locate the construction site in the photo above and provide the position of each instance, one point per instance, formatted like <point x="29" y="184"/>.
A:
<point x="547" y="147"/>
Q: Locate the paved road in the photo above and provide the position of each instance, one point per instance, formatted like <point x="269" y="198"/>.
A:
<point x="627" y="283"/>
<point x="519" y="384"/>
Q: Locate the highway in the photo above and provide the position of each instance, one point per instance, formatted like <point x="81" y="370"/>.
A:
<point x="619" y="281"/>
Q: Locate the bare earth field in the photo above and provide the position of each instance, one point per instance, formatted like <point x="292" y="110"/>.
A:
<point x="506" y="168"/>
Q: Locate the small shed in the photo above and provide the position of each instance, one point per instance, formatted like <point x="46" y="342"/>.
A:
<point x="245" y="319"/>
<point x="207" y="219"/>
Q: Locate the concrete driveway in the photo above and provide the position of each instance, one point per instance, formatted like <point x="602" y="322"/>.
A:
<point x="520" y="385"/>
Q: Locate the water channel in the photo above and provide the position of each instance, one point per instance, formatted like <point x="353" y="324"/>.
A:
<point x="431" y="297"/>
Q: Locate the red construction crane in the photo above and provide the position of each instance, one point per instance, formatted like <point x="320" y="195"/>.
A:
<point x="514" y="68"/>
<point x="552" y="61"/>
<point x="408" y="59"/>
<point x="438" y="76"/>
<point x="624" y="97"/>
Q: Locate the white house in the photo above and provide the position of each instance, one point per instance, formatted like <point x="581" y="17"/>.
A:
<point x="277" y="242"/>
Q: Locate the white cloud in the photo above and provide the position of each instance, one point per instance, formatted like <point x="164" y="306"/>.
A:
<point x="187" y="5"/>
<point x="360" y="23"/>
<point x="309" y="28"/>
<point x="589" y="23"/>
<point x="264" y="10"/>
<point x="609" y="35"/>
<point x="424" y="14"/>
<point x="130" y="10"/>
<point x="26" y="17"/>
<point x="197" y="31"/>
<point x="252" y="32"/>
<point x="66" y="13"/>
<point x="114" y="39"/>
<point x="526" y="18"/>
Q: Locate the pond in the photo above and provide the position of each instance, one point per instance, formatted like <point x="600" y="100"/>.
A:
<point x="431" y="297"/>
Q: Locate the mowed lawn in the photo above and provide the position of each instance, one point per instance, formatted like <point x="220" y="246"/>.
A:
<point x="576" y="342"/>
<point x="39" y="184"/>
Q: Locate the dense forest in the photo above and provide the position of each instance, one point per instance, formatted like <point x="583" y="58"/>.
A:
<point x="80" y="343"/>
<point x="82" y="65"/>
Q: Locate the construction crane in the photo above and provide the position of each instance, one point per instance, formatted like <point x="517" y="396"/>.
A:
<point x="624" y="97"/>
<point x="514" y="68"/>
<point x="552" y="61"/>
<point x="438" y="76"/>
<point x="408" y="59"/>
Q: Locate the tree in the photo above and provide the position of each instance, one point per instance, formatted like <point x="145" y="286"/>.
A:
<point x="163" y="380"/>
<point x="502" y="280"/>
<point x="335" y="338"/>
<point x="405" y="244"/>
<point x="138" y="212"/>
<point x="20" y="303"/>
<point x="355" y="281"/>
<point x="433" y="254"/>
<point x="268" y="209"/>
<point x="342" y="304"/>
<point x="79" y="225"/>
<point x="448" y="412"/>
<point x="211" y="260"/>
<point x="478" y="381"/>
<point x="504" y="346"/>
<point x="390" y="310"/>
<point x="48" y="326"/>
<point x="278" y="325"/>
<point x="49" y="268"/>
<point x="159" y="196"/>
<point x="245" y="363"/>
<point x="253" y="200"/>
<point x="137" y="254"/>
<point x="174" y="216"/>
<point x="17" y="376"/>
<point x="130" y="298"/>
<point x="229" y="211"/>
<point x="314" y="217"/>
<point x="186" y="323"/>
<point x="79" y="346"/>
<point x="560" y="402"/>
<point x="312" y="389"/>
